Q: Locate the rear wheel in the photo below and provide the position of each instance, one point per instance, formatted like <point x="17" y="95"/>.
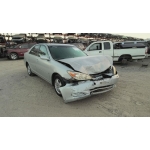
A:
<point x="13" y="56"/>
<point x="30" y="73"/>
<point x="124" y="61"/>
<point x="58" y="82"/>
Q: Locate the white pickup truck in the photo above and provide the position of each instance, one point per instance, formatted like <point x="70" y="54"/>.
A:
<point x="120" y="51"/>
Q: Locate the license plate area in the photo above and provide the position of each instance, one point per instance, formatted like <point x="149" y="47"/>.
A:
<point x="105" y="81"/>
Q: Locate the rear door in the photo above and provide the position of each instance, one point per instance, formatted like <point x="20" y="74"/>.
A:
<point x="95" y="49"/>
<point x="33" y="58"/>
<point x="43" y="66"/>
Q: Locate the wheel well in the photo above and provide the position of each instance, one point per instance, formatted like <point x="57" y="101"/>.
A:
<point x="126" y="56"/>
<point x="27" y="64"/>
<point x="14" y="52"/>
<point x="53" y="76"/>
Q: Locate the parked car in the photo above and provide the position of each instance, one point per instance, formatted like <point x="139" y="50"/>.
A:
<point x="41" y="39"/>
<point x="147" y="44"/>
<point x="79" y="45"/>
<point x="120" y="51"/>
<point x="73" y="74"/>
<point x="20" y="38"/>
<point x="2" y="46"/>
<point x="18" y="51"/>
<point x="57" y="39"/>
<point x="75" y="42"/>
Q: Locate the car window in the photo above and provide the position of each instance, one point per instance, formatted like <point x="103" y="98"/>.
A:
<point x="106" y="45"/>
<point x="117" y="46"/>
<point x="96" y="46"/>
<point x="43" y="51"/>
<point x="34" y="50"/>
<point x="24" y="46"/>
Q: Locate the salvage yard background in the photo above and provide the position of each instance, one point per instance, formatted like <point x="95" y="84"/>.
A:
<point x="21" y="95"/>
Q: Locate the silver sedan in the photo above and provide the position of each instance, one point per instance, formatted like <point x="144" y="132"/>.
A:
<point x="73" y="74"/>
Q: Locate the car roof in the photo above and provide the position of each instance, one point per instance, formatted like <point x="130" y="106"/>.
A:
<point x="55" y="44"/>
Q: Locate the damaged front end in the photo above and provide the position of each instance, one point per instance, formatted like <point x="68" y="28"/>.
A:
<point x="76" y="89"/>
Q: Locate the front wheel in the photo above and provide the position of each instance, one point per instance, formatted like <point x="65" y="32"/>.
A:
<point x="58" y="82"/>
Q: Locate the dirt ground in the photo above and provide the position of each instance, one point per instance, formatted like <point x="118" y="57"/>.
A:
<point x="22" y="95"/>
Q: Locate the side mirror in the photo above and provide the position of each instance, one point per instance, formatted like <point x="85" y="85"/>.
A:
<point x="44" y="58"/>
<point x="19" y="46"/>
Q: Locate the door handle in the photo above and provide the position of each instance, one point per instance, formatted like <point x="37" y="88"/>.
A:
<point x="100" y="51"/>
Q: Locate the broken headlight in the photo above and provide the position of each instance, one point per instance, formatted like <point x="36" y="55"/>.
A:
<point x="79" y="76"/>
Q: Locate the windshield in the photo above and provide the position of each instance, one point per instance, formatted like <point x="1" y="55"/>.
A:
<point x="64" y="52"/>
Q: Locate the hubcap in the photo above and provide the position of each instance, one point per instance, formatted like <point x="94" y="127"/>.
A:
<point x="58" y="85"/>
<point x="29" y="70"/>
<point x="13" y="56"/>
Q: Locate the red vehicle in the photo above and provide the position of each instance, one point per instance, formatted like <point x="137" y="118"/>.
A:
<point x="18" y="51"/>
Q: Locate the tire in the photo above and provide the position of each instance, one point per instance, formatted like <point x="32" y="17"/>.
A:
<point x="13" y="56"/>
<point x="30" y="73"/>
<point x="124" y="61"/>
<point x="58" y="82"/>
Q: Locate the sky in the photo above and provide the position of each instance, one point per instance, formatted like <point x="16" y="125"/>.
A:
<point x="137" y="35"/>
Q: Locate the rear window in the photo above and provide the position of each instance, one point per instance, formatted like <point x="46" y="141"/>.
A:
<point x="106" y="45"/>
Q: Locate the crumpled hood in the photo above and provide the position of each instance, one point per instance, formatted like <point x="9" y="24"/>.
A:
<point x="89" y="64"/>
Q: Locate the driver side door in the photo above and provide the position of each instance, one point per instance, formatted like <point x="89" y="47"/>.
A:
<point x="95" y="49"/>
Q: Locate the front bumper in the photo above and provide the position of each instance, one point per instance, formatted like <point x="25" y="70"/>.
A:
<point x="73" y="92"/>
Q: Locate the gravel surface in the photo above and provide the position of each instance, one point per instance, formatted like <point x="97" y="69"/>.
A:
<point x="22" y="95"/>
